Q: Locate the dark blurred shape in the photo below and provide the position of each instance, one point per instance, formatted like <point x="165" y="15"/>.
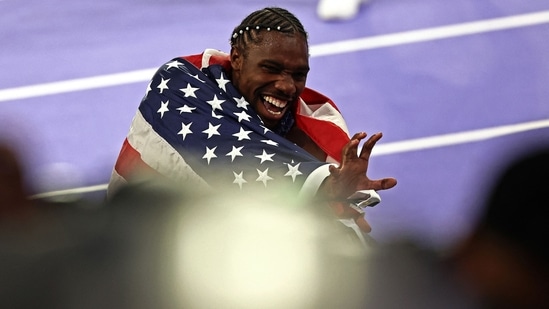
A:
<point x="505" y="259"/>
<point x="502" y="264"/>
<point x="13" y="195"/>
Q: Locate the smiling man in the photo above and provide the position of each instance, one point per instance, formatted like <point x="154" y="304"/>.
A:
<point x="270" y="71"/>
<point x="246" y="121"/>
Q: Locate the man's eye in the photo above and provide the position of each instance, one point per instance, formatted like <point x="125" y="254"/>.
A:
<point x="270" y="68"/>
<point x="300" y="76"/>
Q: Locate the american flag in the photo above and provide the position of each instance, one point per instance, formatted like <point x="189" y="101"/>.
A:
<point x="195" y="128"/>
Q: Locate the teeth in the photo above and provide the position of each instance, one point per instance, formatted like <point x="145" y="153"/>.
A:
<point x="275" y="102"/>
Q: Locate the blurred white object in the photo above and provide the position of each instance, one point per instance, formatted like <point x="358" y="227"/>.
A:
<point x="338" y="9"/>
<point x="58" y="177"/>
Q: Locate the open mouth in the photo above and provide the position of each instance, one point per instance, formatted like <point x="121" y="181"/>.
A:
<point x="274" y="105"/>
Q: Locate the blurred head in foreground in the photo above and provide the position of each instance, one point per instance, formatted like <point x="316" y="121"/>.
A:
<point x="506" y="257"/>
<point x="13" y="191"/>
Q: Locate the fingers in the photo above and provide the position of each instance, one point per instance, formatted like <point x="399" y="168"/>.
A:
<point x="341" y="210"/>
<point x="350" y="149"/>
<point x="382" y="184"/>
<point x="344" y="211"/>
<point x="369" y="145"/>
<point x="334" y="171"/>
<point x="359" y="135"/>
<point x="363" y="225"/>
<point x="388" y="183"/>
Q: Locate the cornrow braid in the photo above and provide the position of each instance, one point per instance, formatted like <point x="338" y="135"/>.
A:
<point x="267" y="19"/>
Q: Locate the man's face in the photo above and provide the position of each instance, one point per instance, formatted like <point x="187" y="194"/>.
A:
<point x="272" y="74"/>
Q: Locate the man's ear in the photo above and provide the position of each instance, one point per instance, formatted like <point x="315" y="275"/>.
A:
<point x="236" y="58"/>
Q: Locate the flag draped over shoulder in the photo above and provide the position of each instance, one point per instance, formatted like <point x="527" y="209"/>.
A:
<point x="196" y="129"/>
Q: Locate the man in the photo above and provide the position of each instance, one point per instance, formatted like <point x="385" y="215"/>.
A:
<point x="246" y="120"/>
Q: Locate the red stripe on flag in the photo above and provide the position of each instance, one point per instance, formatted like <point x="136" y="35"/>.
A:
<point x="129" y="162"/>
<point x="327" y="135"/>
<point x="312" y="97"/>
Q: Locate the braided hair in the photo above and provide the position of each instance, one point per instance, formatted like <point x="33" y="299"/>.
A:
<point x="267" y="19"/>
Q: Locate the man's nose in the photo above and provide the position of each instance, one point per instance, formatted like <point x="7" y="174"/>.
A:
<point x="286" y="84"/>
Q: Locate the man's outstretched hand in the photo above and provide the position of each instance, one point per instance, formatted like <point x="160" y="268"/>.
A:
<point x="351" y="176"/>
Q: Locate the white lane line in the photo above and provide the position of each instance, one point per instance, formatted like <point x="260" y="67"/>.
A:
<point x="400" y="38"/>
<point x="385" y="149"/>
<point x="96" y="188"/>
<point x="458" y="138"/>
<point x="431" y="34"/>
<point x="78" y="84"/>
